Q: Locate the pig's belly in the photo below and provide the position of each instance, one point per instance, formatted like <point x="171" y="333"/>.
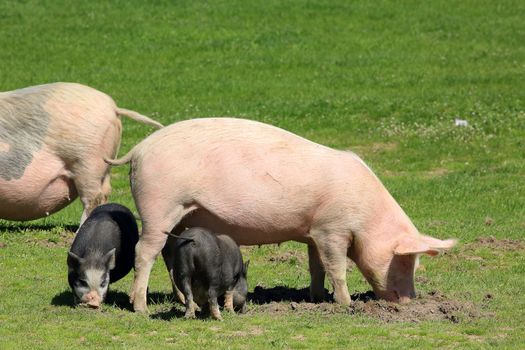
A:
<point x="250" y="230"/>
<point x="44" y="188"/>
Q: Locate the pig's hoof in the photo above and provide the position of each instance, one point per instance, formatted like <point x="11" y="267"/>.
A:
<point x="189" y="316"/>
<point x="144" y="311"/>
<point x="140" y="308"/>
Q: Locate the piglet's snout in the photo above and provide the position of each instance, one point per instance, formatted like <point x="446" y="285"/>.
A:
<point x="92" y="299"/>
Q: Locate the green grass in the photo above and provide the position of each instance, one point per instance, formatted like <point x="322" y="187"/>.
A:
<point x="385" y="79"/>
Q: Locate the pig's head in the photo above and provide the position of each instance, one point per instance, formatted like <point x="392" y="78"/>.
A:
<point x="89" y="277"/>
<point x="240" y="291"/>
<point x="389" y="266"/>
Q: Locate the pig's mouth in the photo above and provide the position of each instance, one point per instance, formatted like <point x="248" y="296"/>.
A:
<point x="91" y="300"/>
<point x="89" y="305"/>
<point x="93" y="306"/>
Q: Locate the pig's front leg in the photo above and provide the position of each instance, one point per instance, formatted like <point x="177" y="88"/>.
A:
<point x="332" y="248"/>
<point x="317" y="275"/>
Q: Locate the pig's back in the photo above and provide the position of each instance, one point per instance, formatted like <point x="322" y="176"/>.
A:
<point x="253" y="181"/>
<point x="214" y="151"/>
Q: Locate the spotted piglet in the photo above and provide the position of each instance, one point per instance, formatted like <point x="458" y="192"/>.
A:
<point x="103" y="252"/>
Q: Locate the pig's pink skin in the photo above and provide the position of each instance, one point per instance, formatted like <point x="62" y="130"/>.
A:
<point x="70" y="129"/>
<point x="23" y="199"/>
<point x="260" y="185"/>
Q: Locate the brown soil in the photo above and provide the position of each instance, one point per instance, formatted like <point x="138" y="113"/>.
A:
<point x="64" y="239"/>
<point x="429" y="307"/>
<point x="504" y="244"/>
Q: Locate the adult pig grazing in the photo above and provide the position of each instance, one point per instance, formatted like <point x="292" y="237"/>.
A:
<point x="205" y="266"/>
<point x="261" y="184"/>
<point x="102" y="253"/>
<point x="52" y="142"/>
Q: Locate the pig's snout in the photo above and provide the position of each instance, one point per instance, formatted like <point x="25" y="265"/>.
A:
<point x="395" y="296"/>
<point x="92" y="299"/>
<point x="93" y="305"/>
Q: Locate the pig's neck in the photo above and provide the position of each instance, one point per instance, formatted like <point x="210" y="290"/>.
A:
<point x="390" y="220"/>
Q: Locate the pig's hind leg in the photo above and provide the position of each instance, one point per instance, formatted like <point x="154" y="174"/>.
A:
<point x="214" y="290"/>
<point x="228" y="301"/>
<point x="168" y="254"/>
<point x="92" y="174"/>
<point x="185" y="285"/>
<point x="213" y="303"/>
<point x="93" y="190"/>
<point x="155" y="222"/>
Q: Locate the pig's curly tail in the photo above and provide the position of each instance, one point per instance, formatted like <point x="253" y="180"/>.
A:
<point x="138" y="117"/>
<point x="120" y="161"/>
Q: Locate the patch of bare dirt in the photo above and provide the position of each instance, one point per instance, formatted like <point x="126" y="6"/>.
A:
<point x="496" y="247"/>
<point x="379" y="147"/>
<point x="436" y="172"/>
<point x="62" y="239"/>
<point x="428" y="307"/>
<point x="493" y="243"/>
<point x="3" y="245"/>
<point x="253" y="331"/>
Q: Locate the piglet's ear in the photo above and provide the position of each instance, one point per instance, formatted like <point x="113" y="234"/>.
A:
<point x="422" y="244"/>
<point x="73" y="260"/>
<point x="109" y="258"/>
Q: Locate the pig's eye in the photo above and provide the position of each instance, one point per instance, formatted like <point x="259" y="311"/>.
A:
<point x="82" y="283"/>
<point x="104" y="283"/>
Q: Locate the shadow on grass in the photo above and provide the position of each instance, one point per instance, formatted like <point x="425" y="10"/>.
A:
<point x="169" y="315"/>
<point x="11" y="227"/>
<point x="262" y="295"/>
<point x="113" y="298"/>
<point x="177" y="311"/>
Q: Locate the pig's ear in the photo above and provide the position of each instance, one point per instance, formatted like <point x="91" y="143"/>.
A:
<point x="422" y="244"/>
<point x="109" y="258"/>
<point x="73" y="260"/>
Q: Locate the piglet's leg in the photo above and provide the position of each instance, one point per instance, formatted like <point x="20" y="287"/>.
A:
<point x="332" y="250"/>
<point x="317" y="274"/>
<point x="228" y="301"/>
<point x="214" y="305"/>
<point x="188" y="297"/>
<point x="168" y="253"/>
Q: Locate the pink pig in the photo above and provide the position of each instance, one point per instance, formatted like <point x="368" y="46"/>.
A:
<point x="52" y="142"/>
<point x="260" y="184"/>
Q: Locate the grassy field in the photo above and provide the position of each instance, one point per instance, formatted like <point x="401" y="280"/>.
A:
<point x="385" y="79"/>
